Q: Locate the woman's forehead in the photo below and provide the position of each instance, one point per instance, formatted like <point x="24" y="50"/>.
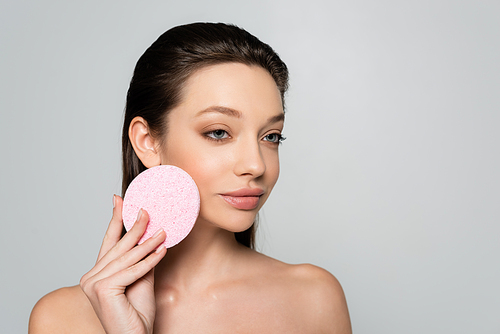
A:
<point x="232" y="85"/>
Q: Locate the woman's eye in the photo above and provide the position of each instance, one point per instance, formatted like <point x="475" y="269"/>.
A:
<point x="274" y="138"/>
<point x="217" y="134"/>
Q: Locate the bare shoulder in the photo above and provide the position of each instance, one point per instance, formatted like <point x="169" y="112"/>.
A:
<point x="317" y="281"/>
<point x="323" y="298"/>
<point x="66" y="310"/>
<point x="313" y="295"/>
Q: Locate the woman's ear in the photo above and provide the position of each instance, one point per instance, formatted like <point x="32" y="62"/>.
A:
<point x="145" y="146"/>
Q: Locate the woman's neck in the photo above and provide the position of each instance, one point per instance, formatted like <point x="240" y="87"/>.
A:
<point x="207" y="254"/>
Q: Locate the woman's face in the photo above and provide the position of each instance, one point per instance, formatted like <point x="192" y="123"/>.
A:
<point x="226" y="135"/>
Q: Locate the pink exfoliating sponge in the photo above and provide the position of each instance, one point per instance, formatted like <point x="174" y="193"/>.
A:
<point x="170" y="197"/>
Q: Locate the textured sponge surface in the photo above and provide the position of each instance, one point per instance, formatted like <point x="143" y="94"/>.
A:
<point x="170" y="197"/>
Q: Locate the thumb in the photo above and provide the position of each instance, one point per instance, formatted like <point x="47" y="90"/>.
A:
<point x="150" y="277"/>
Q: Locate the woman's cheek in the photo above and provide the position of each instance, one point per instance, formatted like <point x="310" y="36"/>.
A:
<point x="205" y="168"/>
<point x="273" y="165"/>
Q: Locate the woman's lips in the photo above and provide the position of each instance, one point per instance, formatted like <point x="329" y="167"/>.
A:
<point x="243" y="199"/>
<point x="242" y="203"/>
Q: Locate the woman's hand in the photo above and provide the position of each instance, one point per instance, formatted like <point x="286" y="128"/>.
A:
<point x="120" y="286"/>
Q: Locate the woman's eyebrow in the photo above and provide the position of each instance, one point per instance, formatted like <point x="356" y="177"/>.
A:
<point x="278" y="118"/>
<point x="222" y="110"/>
<point x="235" y="113"/>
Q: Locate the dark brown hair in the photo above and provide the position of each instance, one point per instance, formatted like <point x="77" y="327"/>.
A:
<point x="161" y="72"/>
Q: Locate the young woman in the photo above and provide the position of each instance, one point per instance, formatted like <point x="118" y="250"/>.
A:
<point x="207" y="98"/>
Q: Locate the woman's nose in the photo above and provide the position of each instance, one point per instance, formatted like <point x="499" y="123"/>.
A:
<point x="249" y="159"/>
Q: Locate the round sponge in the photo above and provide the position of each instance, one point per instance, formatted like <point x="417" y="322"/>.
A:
<point x="170" y="197"/>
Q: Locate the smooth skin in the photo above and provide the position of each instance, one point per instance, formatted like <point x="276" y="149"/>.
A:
<point x="225" y="134"/>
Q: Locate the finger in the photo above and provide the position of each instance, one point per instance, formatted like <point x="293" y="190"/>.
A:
<point x="132" y="257"/>
<point x="128" y="242"/>
<point x="128" y="276"/>
<point x="115" y="227"/>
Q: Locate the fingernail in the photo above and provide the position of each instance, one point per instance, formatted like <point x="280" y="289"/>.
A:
<point x="157" y="233"/>
<point x="114" y="201"/>
<point x="159" y="249"/>
<point x="139" y="215"/>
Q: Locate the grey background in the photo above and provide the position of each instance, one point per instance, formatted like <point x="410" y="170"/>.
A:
<point x="389" y="173"/>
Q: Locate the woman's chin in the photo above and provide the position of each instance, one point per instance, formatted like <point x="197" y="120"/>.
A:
<point x="230" y="222"/>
